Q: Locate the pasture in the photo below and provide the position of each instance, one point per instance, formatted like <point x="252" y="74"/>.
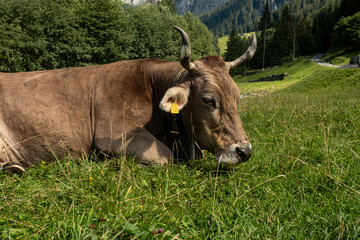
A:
<point x="302" y="182"/>
<point x="222" y="44"/>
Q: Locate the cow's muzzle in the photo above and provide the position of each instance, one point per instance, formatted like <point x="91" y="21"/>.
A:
<point x="236" y="154"/>
<point x="244" y="152"/>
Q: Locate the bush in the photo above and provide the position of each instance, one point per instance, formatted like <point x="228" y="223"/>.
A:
<point x="41" y="35"/>
<point x="347" y="31"/>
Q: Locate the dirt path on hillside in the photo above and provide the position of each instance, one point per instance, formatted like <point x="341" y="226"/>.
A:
<point x="317" y="59"/>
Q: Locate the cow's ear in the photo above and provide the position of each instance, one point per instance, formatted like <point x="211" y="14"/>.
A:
<point x="178" y="94"/>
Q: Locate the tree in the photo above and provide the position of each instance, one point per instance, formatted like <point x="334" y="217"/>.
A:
<point x="349" y="7"/>
<point x="264" y="24"/>
<point x="347" y="32"/>
<point x="106" y="26"/>
<point x="232" y="45"/>
<point x="202" y="40"/>
<point x="323" y="25"/>
<point x="65" y="40"/>
<point x="40" y="35"/>
<point x="283" y="39"/>
<point x="235" y="47"/>
<point x="21" y="43"/>
<point x="169" y="4"/>
<point x="305" y="38"/>
<point x="265" y="21"/>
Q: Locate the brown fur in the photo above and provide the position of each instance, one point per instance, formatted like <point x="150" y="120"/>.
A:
<point x="113" y="108"/>
<point x="213" y="61"/>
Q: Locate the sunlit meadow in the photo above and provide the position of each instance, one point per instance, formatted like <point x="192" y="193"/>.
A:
<point x="303" y="181"/>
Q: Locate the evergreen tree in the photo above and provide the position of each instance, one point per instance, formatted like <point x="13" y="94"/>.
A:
<point x="235" y="47"/>
<point x="305" y="38"/>
<point x="232" y="46"/>
<point x="349" y="7"/>
<point x="233" y="13"/>
<point x="264" y="24"/>
<point x="283" y="39"/>
<point x="265" y="21"/>
<point x="323" y="25"/>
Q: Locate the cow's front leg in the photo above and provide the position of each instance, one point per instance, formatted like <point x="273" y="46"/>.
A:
<point x="146" y="148"/>
<point x="139" y="144"/>
<point x="12" y="166"/>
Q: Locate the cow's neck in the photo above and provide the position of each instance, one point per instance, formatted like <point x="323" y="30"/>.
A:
<point x="161" y="82"/>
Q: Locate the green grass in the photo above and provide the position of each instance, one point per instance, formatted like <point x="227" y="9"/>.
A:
<point x="303" y="181"/>
<point x="296" y="71"/>
<point x="222" y="44"/>
<point x="340" y="57"/>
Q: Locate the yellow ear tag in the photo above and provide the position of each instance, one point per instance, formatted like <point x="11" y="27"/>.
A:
<point x="174" y="108"/>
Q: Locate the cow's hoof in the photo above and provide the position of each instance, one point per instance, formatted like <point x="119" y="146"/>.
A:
<point x="157" y="163"/>
<point x="13" y="168"/>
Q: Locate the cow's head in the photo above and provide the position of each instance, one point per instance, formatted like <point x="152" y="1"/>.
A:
<point x="209" y="99"/>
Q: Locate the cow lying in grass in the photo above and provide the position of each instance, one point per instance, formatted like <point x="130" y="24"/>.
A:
<point x="124" y="108"/>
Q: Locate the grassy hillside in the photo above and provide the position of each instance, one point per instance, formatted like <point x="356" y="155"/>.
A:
<point x="303" y="181"/>
<point x="303" y="75"/>
<point x="340" y="56"/>
<point x="222" y="44"/>
<point x="296" y="71"/>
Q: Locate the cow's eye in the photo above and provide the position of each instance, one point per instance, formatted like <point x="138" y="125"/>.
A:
<point x="209" y="101"/>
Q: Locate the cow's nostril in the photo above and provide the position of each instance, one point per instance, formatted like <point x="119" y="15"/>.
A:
<point x="240" y="152"/>
<point x="244" y="152"/>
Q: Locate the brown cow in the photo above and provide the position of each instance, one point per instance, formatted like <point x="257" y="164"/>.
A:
<point x="124" y="107"/>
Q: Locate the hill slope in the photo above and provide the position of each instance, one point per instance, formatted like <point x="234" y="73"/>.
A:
<point x="304" y="76"/>
<point x="245" y="14"/>
<point x="302" y="180"/>
<point x="197" y="7"/>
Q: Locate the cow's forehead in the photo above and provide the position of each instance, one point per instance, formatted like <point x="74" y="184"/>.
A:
<point x="215" y="77"/>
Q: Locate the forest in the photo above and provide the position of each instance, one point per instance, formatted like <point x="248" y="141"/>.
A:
<point x="244" y="15"/>
<point x="197" y="7"/>
<point x="51" y="34"/>
<point x="294" y="33"/>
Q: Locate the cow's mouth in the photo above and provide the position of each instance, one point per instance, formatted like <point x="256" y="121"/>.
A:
<point x="235" y="154"/>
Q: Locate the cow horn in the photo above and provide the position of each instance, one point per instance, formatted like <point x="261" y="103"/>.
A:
<point x="185" y="51"/>
<point x="247" y="55"/>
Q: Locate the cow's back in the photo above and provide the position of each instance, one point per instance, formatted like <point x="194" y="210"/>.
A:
<point x="42" y="112"/>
